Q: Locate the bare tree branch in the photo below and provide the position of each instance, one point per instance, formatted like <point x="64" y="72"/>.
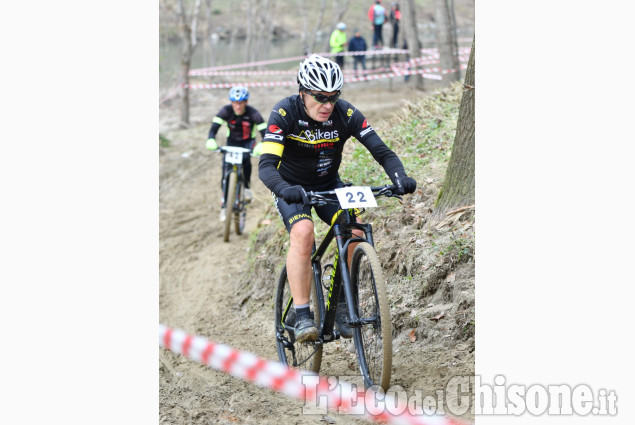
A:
<point x="317" y="26"/>
<point x="338" y="15"/>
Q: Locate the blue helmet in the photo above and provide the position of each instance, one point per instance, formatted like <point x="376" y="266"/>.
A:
<point x="238" y="93"/>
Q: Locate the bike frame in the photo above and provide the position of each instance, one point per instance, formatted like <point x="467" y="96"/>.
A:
<point x="228" y="168"/>
<point x="238" y="199"/>
<point x="341" y="231"/>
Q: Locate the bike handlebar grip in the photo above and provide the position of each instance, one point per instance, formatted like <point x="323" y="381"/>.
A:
<point x="211" y="144"/>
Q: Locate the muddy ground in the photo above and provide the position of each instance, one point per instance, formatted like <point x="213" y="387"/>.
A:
<point x="206" y="286"/>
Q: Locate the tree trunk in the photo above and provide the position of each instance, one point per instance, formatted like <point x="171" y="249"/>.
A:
<point x="250" y="30"/>
<point x="412" y="38"/>
<point x="186" y="57"/>
<point x="446" y="35"/>
<point x="207" y="44"/>
<point x="458" y="186"/>
<point x="189" y="44"/>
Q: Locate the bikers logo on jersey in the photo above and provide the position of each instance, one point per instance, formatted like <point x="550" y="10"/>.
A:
<point x="314" y="135"/>
<point x="316" y="138"/>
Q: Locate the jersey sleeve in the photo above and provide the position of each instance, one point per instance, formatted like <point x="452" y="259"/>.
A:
<point x="272" y="147"/>
<point x="219" y="119"/>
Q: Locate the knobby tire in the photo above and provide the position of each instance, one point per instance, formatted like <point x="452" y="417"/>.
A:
<point x="373" y="342"/>
<point x="239" y="214"/>
<point x="307" y="355"/>
<point x="229" y="204"/>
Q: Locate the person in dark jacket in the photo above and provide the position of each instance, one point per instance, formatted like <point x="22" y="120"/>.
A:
<point x="358" y="44"/>
<point x="395" y="18"/>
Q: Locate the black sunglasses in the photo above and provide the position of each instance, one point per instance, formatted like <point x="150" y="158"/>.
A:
<point x="322" y="98"/>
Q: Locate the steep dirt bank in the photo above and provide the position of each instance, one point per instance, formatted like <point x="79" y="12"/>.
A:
<point x="224" y="292"/>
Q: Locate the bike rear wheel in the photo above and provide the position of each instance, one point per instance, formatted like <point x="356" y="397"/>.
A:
<point x="229" y="203"/>
<point x="307" y="356"/>
<point x="373" y="339"/>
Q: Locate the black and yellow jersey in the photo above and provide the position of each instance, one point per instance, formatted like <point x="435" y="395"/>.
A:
<point x="241" y="129"/>
<point x="300" y="151"/>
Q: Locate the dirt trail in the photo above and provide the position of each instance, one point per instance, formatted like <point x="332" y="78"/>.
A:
<point x="198" y="294"/>
<point x="199" y="274"/>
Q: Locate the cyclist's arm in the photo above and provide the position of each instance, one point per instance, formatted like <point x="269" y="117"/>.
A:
<point x="268" y="171"/>
<point x="219" y="119"/>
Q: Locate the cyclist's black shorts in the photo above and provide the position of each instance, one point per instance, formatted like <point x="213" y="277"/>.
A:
<point x="292" y="213"/>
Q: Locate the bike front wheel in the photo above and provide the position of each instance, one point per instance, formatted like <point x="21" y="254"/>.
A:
<point x="307" y="356"/>
<point x="229" y="203"/>
<point x="373" y="338"/>
<point x="240" y="215"/>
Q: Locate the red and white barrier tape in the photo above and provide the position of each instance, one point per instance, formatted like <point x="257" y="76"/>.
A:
<point x="203" y="73"/>
<point x="425" y="73"/>
<point x="428" y="51"/>
<point x="349" y="79"/>
<point x="199" y="73"/>
<point x="170" y="95"/>
<point x="280" y="378"/>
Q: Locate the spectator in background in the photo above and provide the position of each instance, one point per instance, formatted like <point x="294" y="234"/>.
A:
<point x="337" y="42"/>
<point x="358" y="44"/>
<point x="395" y="17"/>
<point x="377" y="16"/>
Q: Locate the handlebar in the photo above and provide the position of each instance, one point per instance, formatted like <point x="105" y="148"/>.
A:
<point x="233" y="149"/>
<point x="320" y="198"/>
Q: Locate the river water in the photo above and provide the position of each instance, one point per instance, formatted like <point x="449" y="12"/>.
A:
<point x="221" y="53"/>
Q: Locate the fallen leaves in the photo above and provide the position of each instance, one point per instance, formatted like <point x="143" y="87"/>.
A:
<point x="412" y="335"/>
<point x="437" y="317"/>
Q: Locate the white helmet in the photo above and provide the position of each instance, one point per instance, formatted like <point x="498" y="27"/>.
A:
<point x="321" y="74"/>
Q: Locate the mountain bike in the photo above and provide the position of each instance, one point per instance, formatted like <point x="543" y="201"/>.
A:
<point x="364" y="288"/>
<point x="234" y="189"/>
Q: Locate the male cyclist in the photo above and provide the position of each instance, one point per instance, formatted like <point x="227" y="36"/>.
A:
<point x="302" y="150"/>
<point x="243" y="121"/>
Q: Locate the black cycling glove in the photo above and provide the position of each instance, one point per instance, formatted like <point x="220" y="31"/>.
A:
<point x="294" y="195"/>
<point x="404" y="184"/>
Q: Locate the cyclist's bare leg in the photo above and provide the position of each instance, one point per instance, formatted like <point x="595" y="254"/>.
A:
<point x="299" y="261"/>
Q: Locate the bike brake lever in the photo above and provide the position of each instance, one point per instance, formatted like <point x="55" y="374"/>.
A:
<point x="389" y="194"/>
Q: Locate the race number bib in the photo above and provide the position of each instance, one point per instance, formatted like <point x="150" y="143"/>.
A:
<point x="234" y="157"/>
<point x="356" y="197"/>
